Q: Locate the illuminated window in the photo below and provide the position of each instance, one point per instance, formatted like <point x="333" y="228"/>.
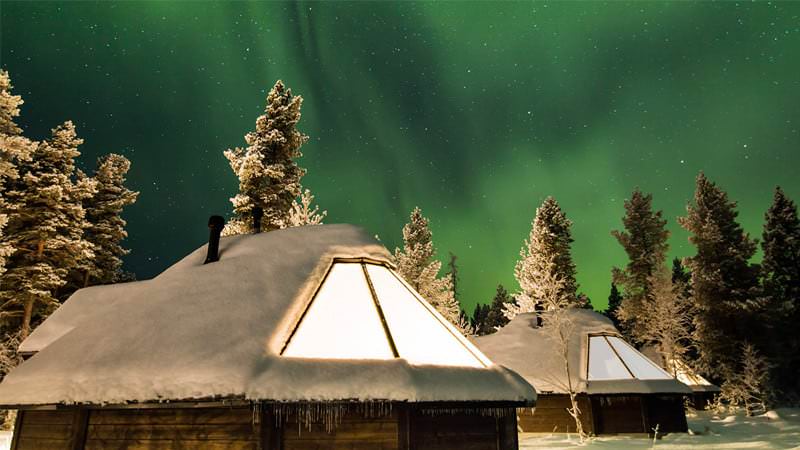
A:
<point x="421" y="335"/>
<point x="641" y="367"/>
<point x="322" y="333"/>
<point x="603" y="362"/>
<point x="611" y="358"/>
<point x="386" y="318"/>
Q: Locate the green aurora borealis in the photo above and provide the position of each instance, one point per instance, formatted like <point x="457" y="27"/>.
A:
<point x="473" y="111"/>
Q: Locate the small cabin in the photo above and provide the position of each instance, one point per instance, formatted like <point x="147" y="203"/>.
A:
<point x="304" y="338"/>
<point x="619" y="389"/>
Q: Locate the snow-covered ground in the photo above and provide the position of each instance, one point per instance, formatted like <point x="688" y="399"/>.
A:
<point x="778" y="429"/>
<point x="5" y="440"/>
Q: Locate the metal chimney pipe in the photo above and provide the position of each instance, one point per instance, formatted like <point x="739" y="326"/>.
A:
<point x="258" y="213"/>
<point x="215" y="224"/>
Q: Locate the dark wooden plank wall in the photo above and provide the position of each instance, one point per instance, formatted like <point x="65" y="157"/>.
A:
<point x="619" y="414"/>
<point x="353" y="433"/>
<point x="667" y="412"/>
<point x="550" y="415"/>
<point x="240" y="428"/>
<point x="200" y="428"/>
<point x="464" y="432"/>
<point x="45" y="430"/>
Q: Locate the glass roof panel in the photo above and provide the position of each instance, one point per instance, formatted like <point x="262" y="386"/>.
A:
<point x="420" y="334"/>
<point x="321" y="332"/>
<point x="640" y="365"/>
<point x="603" y="362"/>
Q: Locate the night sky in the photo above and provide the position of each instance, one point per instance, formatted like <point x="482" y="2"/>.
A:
<point x="473" y="111"/>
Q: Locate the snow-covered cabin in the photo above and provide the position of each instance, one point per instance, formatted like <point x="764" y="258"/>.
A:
<point x="298" y="338"/>
<point x="619" y="389"/>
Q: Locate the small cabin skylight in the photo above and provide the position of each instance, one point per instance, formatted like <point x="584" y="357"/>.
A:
<point x="385" y="319"/>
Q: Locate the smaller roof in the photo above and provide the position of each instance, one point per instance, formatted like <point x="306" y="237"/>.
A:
<point x="600" y="360"/>
<point x="683" y="373"/>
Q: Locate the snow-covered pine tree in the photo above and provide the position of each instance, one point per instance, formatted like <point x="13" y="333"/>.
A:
<point x="302" y="213"/>
<point x="544" y="256"/>
<point x="724" y="283"/>
<point x="14" y="149"/>
<point x="780" y="272"/>
<point x="104" y="213"/>
<point x="645" y="242"/>
<point x="614" y="300"/>
<point x="46" y="231"/>
<point x="667" y="321"/>
<point x="416" y="263"/>
<point x="269" y="176"/>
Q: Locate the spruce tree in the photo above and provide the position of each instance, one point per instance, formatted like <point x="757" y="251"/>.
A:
<point x="545" y="257"/>
<point x="614" y="300"/>
<point x="106" y="226"/>
<point x="14" y="150"/>
<point x="645" y="242"/>
<point x="416" y="263"/>
<point x="724" y="283"/>
<point x="452" y="270"/>
<point x="46" y="231"/>
<point x="478" y="321"/>
<point x="780" y="272"/>
<point x="494" y="317"/>
<point x="269" y="177"/>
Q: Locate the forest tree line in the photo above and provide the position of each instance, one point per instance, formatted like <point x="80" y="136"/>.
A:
<point x="716" y="312"/>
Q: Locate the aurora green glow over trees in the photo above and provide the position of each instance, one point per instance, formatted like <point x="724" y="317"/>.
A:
<point x="475" y="114"/>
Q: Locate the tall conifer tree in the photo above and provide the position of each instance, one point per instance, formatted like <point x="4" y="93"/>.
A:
<point x="645" y="242"/>
<point x="47" y="230"/>
<point x="545" y="257"/>
<point x="416" y="263"/>
<point x="780" y="271"/>
<point x="14" y="149"/>
<point x="724" y="283"/>
<point x="269" y="177"/>
<point x="104" y="212"/>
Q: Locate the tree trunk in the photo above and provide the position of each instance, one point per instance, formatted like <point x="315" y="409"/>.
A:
<point x="26" y="318"/>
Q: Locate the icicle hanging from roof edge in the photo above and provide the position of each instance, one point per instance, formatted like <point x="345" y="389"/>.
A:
<point x="329" y="414"/>
<point x="486" y="412"/>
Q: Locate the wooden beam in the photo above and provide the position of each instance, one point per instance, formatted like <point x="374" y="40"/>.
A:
<point x="80" y="423"/>
<point x="403" y="429"/>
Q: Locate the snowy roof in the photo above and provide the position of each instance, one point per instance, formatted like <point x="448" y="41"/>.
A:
<point x="305" y="314"/>
<point x="600" y="361"/>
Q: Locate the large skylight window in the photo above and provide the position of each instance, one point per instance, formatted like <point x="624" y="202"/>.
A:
<point x="603" y="362"/>
<point x="386" y="319"/>
<point x="611" y="358"/>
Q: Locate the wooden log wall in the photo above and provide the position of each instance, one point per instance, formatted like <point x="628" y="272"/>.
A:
<point x="467" y="432"/>
<point x="353" y="433"/>
<point x="45" y="430"/>
<point x="253" y="428"/>
<point x="550" y="415"/>
<point x="667" y="412"/>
